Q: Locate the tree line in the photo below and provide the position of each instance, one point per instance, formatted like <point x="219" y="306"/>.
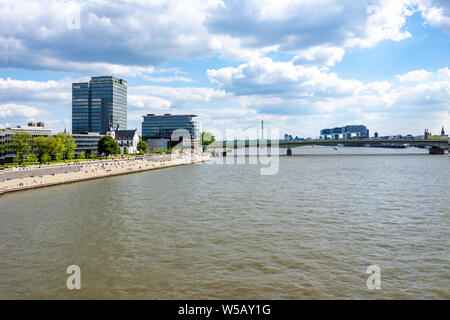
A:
<point x="42" y="149"/>
<point x="57" y="148"/>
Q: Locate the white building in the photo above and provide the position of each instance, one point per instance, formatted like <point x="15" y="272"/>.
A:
<point x="126" y="139"/>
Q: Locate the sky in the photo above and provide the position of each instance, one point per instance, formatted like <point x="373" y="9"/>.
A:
<point x="299" y="65"/>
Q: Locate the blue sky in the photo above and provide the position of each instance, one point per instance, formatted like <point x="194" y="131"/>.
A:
<point x="299" y="65"/>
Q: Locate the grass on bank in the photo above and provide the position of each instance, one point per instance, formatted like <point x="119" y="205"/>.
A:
<point x="37" y="163"/>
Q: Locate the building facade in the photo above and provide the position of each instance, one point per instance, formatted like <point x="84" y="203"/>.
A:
<point x="5" y="137"/>
<point x="347" y="132"/>
<point x="99" y="103"/>
<point x="128" y="139"/>
<point x="87" y="143"/>
<point x="161" y="127"/>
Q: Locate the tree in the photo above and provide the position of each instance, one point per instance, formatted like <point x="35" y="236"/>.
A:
<point x="207" y="138"/>
<point x="92" y="155"/>
<point x="69" y="145"/>
<point x="125" y="150"/>
<point x="142" y="147"/>
<point x="81" y="156"/>
<point x="31" y="158"/>
<point x="20" y="145"/>
<point x="107" y="145"/>
<point x="45" y="158"/>
<point x="41" y="147"/>
<point x="56" y="147"/>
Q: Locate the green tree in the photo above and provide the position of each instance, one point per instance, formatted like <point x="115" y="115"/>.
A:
<point x="142" y="147"/>
<point x="107" y="146"/>
<point x="31" y="158"/>
<point x="207" y="138"/>
<point x="56" y="148"/>
<point x="81" y="156"/>
<point x="45" y="158"/>
<point x="92" y="155"/>
<point x="41" y="146"/>
<point x="125" y="150"/>
<point x="69" y="145"/>
<point x="20" y="145"/>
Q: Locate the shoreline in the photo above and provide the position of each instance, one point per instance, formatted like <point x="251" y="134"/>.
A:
<point x="89" y="171"/>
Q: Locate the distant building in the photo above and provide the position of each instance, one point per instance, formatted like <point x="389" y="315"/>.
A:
<point x="375" y="134"/>
<point x="347" y="132"/>
<point x="442" y="131"/>
<point x="161" y="128"/>
<point x="126" y="139"/>
<point x="87" y="142"/>
<point x="98" y="103"/>
<point x="5" y="137"/>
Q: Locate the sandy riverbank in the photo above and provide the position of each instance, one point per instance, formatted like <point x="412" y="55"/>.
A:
<point x="95" y="170"/>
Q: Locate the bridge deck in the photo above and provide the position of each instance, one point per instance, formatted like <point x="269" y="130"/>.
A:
<point x="437" y="143"/>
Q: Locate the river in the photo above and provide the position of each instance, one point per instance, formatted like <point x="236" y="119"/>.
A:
<point x="212" y="231"/>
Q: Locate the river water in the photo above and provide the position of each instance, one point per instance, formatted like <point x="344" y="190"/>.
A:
<point x="212" y="231"/>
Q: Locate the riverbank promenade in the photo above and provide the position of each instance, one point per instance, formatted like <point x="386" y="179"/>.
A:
<point x="15" y="179"/>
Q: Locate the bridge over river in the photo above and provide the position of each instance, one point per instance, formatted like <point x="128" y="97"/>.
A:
<point x="436" y="146"/>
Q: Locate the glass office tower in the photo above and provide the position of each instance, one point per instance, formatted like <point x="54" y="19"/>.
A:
<point x="98" y="104"/>
<point x="162" y="127"/>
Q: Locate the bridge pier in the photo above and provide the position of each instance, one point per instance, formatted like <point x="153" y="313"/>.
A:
<point x="289" y="152"/>
<point x="436" y="150"/>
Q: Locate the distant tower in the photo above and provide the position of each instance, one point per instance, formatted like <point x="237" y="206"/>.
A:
<point x="375" y="134"/>
<point x="442" y="131"/>
<point x="426" y="134"/>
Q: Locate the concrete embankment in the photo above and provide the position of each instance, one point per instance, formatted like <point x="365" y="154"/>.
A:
<point x="42" y="176"/>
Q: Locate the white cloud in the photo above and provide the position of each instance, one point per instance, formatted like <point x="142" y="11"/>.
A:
<point x="53" y="93"/>
<point x="11" y="110"/>
<point x="436" y="14"/>
<point x="135" y="34"/>
<point x="172" y="97"/>
<point x="414" y="76"/>
<point x="444" y="74"/>
<point x="265" y="76"/>
<point x="320" y="56"/>
<point x="130" y="38"/>
<point x="149" y="102"/>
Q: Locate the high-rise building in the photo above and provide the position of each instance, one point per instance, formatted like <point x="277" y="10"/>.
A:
<point x="162" y="127"/>
<point x="99" y="104"/>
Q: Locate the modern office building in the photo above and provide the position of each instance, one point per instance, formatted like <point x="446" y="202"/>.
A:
<point x="6" y="154"/>
<point x="347" y="132"/>
<point x="161" y="127"/>
<point x="99" y="103"/>
<point x="87" y="143"/>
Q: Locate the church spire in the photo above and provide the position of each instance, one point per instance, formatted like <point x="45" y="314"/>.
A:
<point x="442" y="131"/>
